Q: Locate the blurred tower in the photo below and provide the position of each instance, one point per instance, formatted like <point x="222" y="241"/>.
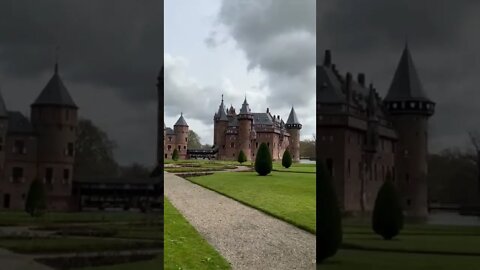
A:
<point x="410" y="109"/>
<point x="245" y="119"/>
<point x="293" y="127"/>
<point x="220" y="127"/>
<point x="54" y="119"/>
<point x="181" y="136"/>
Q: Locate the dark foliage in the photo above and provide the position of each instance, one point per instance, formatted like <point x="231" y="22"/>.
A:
<point x="241" y="157"/>
<point x="263" y="160"/>
<point x="286" y="159"/>
<point x="36" y="199"/>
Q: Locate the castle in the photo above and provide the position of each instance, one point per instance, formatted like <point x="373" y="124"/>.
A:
<point x="244" y="131"/>
<point x="42" y="147"/>
<point x="361" y="136"/>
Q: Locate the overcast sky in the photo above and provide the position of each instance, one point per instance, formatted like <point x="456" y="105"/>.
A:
<point x="264" y="49"/>
<point x="110" y="56"/>
<point x="443" y="36"/>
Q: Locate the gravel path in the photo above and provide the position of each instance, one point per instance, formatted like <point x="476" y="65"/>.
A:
<point x="12" y="261"/>
<point x="247" y="238"/>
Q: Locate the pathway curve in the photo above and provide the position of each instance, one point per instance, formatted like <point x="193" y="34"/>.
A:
<point x="246" y="237"/>
<point x="13" y="261"/>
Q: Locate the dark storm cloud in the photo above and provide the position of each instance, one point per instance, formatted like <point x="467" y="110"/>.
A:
<point x="279" y="38"/>
<point x="114" y="48"/>
<point x="368" y="36"/>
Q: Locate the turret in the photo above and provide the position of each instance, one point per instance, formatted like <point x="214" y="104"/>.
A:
<point x="245" y="119"/>
<point x="220" y="125"/>
<point x="409" y="109"/>
<point x="54" y="119"/>
<point x="293" y="127"/>
<point x="181" y="136"/>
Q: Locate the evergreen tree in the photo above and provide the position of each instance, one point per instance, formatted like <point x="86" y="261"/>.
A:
<point x="263" y="160"/>
<point x="387" y="218"/>
<point x="286" y="159"/>
<point x="175" y="154"/>
<point x="329" y="220"/>
<point x="242" y="157"/>
<point x="36" y="199"/>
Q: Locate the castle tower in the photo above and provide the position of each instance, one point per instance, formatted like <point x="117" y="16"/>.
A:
<point x="3" y="133"/>
<point x="293" y="127"/>
<point x="54" y="119"/>
<point x="220" y="126"/>
<point x="410" y="108"/>
<point x="181" y="136"/>
<point x="245" y="120"/>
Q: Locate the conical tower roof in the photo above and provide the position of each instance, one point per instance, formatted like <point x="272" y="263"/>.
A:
<point x="55" y="93"/>
<point x="245" y="108"/>
<point x="292" y="118"/>
<point x="406" y="85"/>
<point x="181" y="121"/>
<point x="221" y="114"/>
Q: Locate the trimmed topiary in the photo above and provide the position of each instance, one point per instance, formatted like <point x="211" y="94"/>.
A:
<point x="263" y="160"/>
<point x="175" y="154"/>
<point x="36" y="202"/>
<point x="329" y="221"/>
<point x="387" y="218"/>
<point x="286" y="159"/>
<point x="242" y="157"/>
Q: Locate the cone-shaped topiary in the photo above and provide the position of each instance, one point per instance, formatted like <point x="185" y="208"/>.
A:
<point x="241" y="157"/>
<point x="36" y="199"/>
<point x="263" y="160"/>
<point x="286" y="159"/>
<point x="329" y="220"/>
<point x="175" y="154"/>
<point x="387" y="218"/>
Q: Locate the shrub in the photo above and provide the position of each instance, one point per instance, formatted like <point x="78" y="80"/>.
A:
<point x="242" y="157"/>
<point x="387" y="218"/>
<point x="329" y="222"/>
<point x="263" y="160"/>
<point x="175" y="154"/>
<point x="36" y="202"/>
<point x="286" y="159"/>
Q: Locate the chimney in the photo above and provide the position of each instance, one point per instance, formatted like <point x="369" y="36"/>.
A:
<point x="327" y="61"/>
<point x="268" y="110"/>
<point x="348" y="83"/>
<point x="361" y="79"/>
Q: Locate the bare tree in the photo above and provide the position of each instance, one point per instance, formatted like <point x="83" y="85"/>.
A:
<point x="475" y="140"/>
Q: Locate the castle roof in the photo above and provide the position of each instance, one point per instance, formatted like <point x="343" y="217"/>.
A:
<point x="18" y="123"/>
<point x="221" y="114"/>
<point x="169" y="131"/>
<point x="181" y="121"/>
<point x="262" y="119"/>
<point x="3" y="108"/>
<point x="406" y="85"/>
<point x="55" y="93"/>
<point x="245" y="108"/>
<point x="292" y="118"/>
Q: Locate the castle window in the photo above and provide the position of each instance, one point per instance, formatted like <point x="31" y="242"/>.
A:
<point x="232" y="144"/>
<point x="17" y="174"/>
<point x="19" y="147"/>
<point x="179" y="148"/>
<point x="169" y="138"/>
<point x="49" y="175"/>
<point x="185" y="147"/>
<point x="256" y="145"/>
<point x="169" y="147"/>
<point x="70" y="149"/>
<point x="186" y="139"/>
<point x="66" y="176"/>
<point x="268" y="144"/>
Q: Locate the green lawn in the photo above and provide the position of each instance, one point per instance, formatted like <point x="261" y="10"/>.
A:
<point x="418" y="246"/>
<point x="11" y="218"/>
<point x="296" y="167"/>
<point x="185" y="248"/>
<point x="74" y="244"/>
<point x="288" y="196"/>
<point x="369" y="260"/>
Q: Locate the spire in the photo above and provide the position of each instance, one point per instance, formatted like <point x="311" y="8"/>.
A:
<point x="3" y="108"/>
<point x="245" y="108"/>
<point x="406" y="85"/>
<point x="181" y="121"/>
<point x="221" y="114"/>
<point x="57" y="49"/>
<point x="327" y="60"/>
<point x="55" y="93"/>
<point x="292" y="121"/>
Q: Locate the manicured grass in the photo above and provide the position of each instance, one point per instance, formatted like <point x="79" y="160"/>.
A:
<point x="11" y="218"/>
<point x="154" y="264"/>
<point x="296" y="167"/>
<point x="369" y="260"/>
<point x="185" y="248"/>
<point x="74" y="244"/>
<point x="288" y="196"/>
